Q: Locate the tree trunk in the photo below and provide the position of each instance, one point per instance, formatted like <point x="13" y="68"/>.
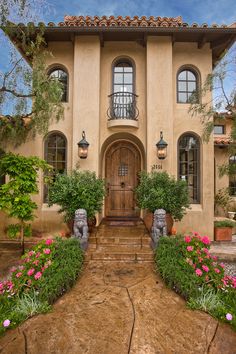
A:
<point x="22" y="237"/>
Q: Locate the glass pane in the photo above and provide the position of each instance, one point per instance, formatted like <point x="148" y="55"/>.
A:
<point x="182" y="86"/>
<point x="51" y="141"/>
<point x="191" y="86"/>
<point x="128" y="78"/>
<point x="191" y="76"/>
<point x="182" y="75"/>
<point x="118" y="78"/>
<point x="182" y="97"/>
<point x="118" y="69"/>
<point x="61" y="141"/>
<point x="118" y="88"/>
<point x="61" y="155"/>
<point x="219" y="129"/>
<point x="129" y="70"/>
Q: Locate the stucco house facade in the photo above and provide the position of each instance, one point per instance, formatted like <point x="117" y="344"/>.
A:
<point x="126" y="80"/>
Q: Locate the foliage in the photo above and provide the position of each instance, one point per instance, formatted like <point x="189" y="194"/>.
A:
<point x="13" y="230"/>
<point x="223" y="199"/>
<point x="187" y="266"/>
<point x="218" y="101"/>
<point x="46" y="272"/>
<point x="159" y="190"/>
<point x="224" y="223"/>
<point x="15" y="195"/>
<point x="29" y="98"/>
<point x="79" y="189"/>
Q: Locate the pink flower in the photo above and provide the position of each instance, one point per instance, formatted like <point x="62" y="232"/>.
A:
<point x="38" y="275"/>
<point x="187" y="239"/>
<point x="31" y="271"/>
<point x="36" y="262"/>
<point x="189" y="248"/>
<point x="31" y="253"/>
<point x="205" y="240"/>
<point x="198" y="272"/>
<point x="214" y="258"/>
<point x="205" y="268"/>
<point x="222" y="265"/>
<point x="38" y="254"/>
<point x="6" y="323"/>
<point x="206" y="278"/>
<point x="229" y="317"/>
<point x="217" y="270"/>
<point x="205" y="250"/>
<point x="13" y="269"/>
<point x="47" y="251"/>
<point x="48" y="242"/>
<point x="18" y="275"/>
<point x="200" y="259"/>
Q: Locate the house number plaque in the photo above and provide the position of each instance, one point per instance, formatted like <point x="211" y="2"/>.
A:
<point x="156" y="167"/>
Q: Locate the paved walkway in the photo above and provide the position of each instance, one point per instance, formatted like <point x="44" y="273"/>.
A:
<point x="120" y="308"/>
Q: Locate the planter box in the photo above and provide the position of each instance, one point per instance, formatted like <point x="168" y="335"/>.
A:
<point x="223" y="233"/>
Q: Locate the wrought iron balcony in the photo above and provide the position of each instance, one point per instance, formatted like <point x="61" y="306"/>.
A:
<point x="123" y="106"/>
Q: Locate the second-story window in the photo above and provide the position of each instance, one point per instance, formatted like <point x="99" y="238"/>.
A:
<point x="123" y="80"/>
<point x="187" y="86"/>
<point x="123" y="98"/>
<point x="61" y="75"/>
<point x="219" y="129"/>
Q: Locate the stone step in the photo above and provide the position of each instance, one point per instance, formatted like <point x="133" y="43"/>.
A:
<point x="120" y="256"/>
<point x="123" y="247"/>
<point x="121" y="240"/>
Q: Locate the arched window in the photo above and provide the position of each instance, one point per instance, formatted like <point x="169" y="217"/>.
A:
<point x="61" y="75"/>
<point x="232" y="175"/>
<point x="55" y="152"/>
<point x="187" y="85"/>
<point x="123" y="76"/>
<point x="123" y="99"/>
<point x="189" y="164"/>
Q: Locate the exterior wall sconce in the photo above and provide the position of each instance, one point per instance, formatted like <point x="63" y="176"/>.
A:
<point x="83" y="147"/>
<point x="161" y="148"/>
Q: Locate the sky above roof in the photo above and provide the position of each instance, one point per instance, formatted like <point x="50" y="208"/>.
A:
<point x="200" y="11"/>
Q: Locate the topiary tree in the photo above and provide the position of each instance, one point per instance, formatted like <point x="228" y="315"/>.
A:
<point x="15" y="195"/>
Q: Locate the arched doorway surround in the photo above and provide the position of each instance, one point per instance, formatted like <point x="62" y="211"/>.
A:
<point x="122" y="166"/>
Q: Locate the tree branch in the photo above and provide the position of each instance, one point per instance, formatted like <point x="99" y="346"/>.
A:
<point x="16" y="94"/>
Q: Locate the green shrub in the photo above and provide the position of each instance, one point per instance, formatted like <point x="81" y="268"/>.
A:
<point x="188" y="268"/>
<point x="158" y="190"/>
<point x="79" y="189"/>
<point x="13" y="230"/>
<point x="224" y="223"/>
<point x="46" y="273"/>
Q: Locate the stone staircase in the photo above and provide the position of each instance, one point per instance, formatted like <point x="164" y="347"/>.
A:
<point x="120" y="243"/>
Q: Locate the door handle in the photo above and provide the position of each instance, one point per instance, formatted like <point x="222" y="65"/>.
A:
<point x="122" y="184"/>
<point x="108" y="189"/>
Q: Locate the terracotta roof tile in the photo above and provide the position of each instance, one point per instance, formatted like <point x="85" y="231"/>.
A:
<point x="127" y="21"/>
<point x="222" y="141"/>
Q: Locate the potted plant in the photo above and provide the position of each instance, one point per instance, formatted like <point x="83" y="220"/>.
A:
<point x="79" y="189"/>
<point x="222" y="201"/>
<point x="158" y="190"/>
<point x="223" y="230"/>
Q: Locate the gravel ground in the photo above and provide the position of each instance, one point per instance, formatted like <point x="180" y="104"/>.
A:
<point x="230" y="268"/>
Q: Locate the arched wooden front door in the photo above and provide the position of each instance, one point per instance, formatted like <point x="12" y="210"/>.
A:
<point x="123" y="164"/>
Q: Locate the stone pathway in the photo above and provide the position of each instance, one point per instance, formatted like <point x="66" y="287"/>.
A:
<point x="120" y="308"/>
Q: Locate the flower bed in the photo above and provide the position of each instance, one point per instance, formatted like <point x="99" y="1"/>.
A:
<point x="188" y="268"/>
<point x="45" y="273"/>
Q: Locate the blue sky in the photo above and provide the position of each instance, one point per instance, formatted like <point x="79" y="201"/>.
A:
<point x="217" y="11"/>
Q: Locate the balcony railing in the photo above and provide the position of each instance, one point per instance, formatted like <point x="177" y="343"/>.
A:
<point x="123" y="106"/>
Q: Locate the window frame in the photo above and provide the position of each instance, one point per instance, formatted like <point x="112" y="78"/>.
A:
<point x="196" y="73"/>
<point x="132" y="64"/>
<point x="232" y="178"/>
<point x="56" y="68"/>
<point x="219" y="125"/>
<point x="198" y="161"/>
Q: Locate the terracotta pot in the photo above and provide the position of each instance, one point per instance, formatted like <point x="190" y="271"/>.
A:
<point x="223" y="233"/>
<point x="148" y="221"/>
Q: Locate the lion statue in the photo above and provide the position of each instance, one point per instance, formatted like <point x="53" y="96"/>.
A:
<point x="81" y="227"/>
<point x="159" y="227"/>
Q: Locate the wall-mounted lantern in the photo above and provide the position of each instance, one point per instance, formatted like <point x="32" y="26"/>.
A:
<point x="161" y="148"/>
<point x="83" y="147"/>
